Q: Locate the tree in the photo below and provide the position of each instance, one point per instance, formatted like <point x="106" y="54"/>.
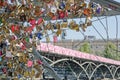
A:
<point x="110" y="51"/>
<point x="85" y="47"/>
<point x="99" y="53"/>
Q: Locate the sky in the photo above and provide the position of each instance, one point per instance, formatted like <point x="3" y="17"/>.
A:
<point x="117" y="0"/>
<point x="90" y="31"/>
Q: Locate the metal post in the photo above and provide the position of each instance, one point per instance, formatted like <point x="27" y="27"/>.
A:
<point x="46" y="65"/>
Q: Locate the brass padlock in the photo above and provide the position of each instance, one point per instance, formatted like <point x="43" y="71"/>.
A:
<point x="47" y="39"/>
<point x="58" y="25"/>
<point x="50" y="14"/>
<point x="38" y="75"/>
<point x="76" y="27"/>
<point x="15" y="79"/>
<point x="68" y="6"/>
<point x="71" y="24"/>
<point x="58" y="32"/>
<point x="26" y="74"/>
<point x="47" y="1"/>
<point x="32" y="73"/>
<point x="71" y="1"/>
<point x="64" y="25"/>
<point x="48" y="26"/>
<point x="37" y="11"/>
<point x="37" y="67"/>
<point x="84" y="26"/>
<point x="10" y="65"/>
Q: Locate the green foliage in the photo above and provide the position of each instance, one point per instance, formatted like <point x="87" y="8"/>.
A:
<point x="99" y="53"/>
<point x="85" y="47"/>
<point x="110" y="51"/>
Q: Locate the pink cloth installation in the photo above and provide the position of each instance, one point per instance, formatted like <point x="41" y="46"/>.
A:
<point x="45" y="47"/>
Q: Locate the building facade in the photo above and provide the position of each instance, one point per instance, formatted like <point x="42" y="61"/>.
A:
<point x="95" y="45"/>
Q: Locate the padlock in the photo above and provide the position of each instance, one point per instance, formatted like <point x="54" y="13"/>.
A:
<point x="37" y="12"/>
<point x="19" y="54"/>
<point x="15" y="73"/>
<point x="58" y="32"/>
<point x="61" y="14"/>
<point x="25" y="59"/>
<point x="47" y="39"/>
<point x="29" y="63"/>
<point x="32" y="73"/>
<point x="38" y="75"/>
<point x="76" y="27"/>
<point x="86" y="12"/>
<point x="71" y="24"/>
<point x="50" y="14"/>
<point x="58" y="25"/>
<point x="84" y="26"/>
<point x="37" y="67"/>
<point x="88" y="21"/>
<point x="48" y="26"/>
<point x="23" y="17"/>
<point x="26" y="74"/>
<point x="40" y="21"/>
<point x="53" y="9"/>
<point x="15" y="79"/>
<point x="39" y="35"/>
<point x="62" y="5"/>
<point x="39" y="62"/>
<point x="71" y="1"/>
<point x="83" y="4"/>
<point x="68" y="6"/>
<point x="48" y="1"/>
<point x="64" y="25"/>
<point x="4" y="70"/>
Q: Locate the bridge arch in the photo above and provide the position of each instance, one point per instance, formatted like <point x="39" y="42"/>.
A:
<point x="48" y="59"/>
<point x="88" y="63"/>
<point x="116" y="71"/>
<point x="61" y="60"/>
<point x="99" y="67"/>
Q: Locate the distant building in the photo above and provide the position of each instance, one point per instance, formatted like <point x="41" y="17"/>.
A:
<point x="96" y="45"/>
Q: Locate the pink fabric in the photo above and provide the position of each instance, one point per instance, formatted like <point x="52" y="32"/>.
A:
<point x="68" y="52"/>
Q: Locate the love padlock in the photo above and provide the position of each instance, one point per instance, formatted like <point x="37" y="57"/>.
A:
<point x="29" y="63"/>
<point x="62" y="14"/>
<point x="58" y="32"/>
<point x="53" y="9"/>
<point x="39" y="35"/>
<point x="23" y="17"/>
<point x="1" y="53"/>
<point x="4" y="70"/>
<point x="62" y="5"/>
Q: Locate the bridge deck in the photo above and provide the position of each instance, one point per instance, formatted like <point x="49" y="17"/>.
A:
<point x="72" y="53"/>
